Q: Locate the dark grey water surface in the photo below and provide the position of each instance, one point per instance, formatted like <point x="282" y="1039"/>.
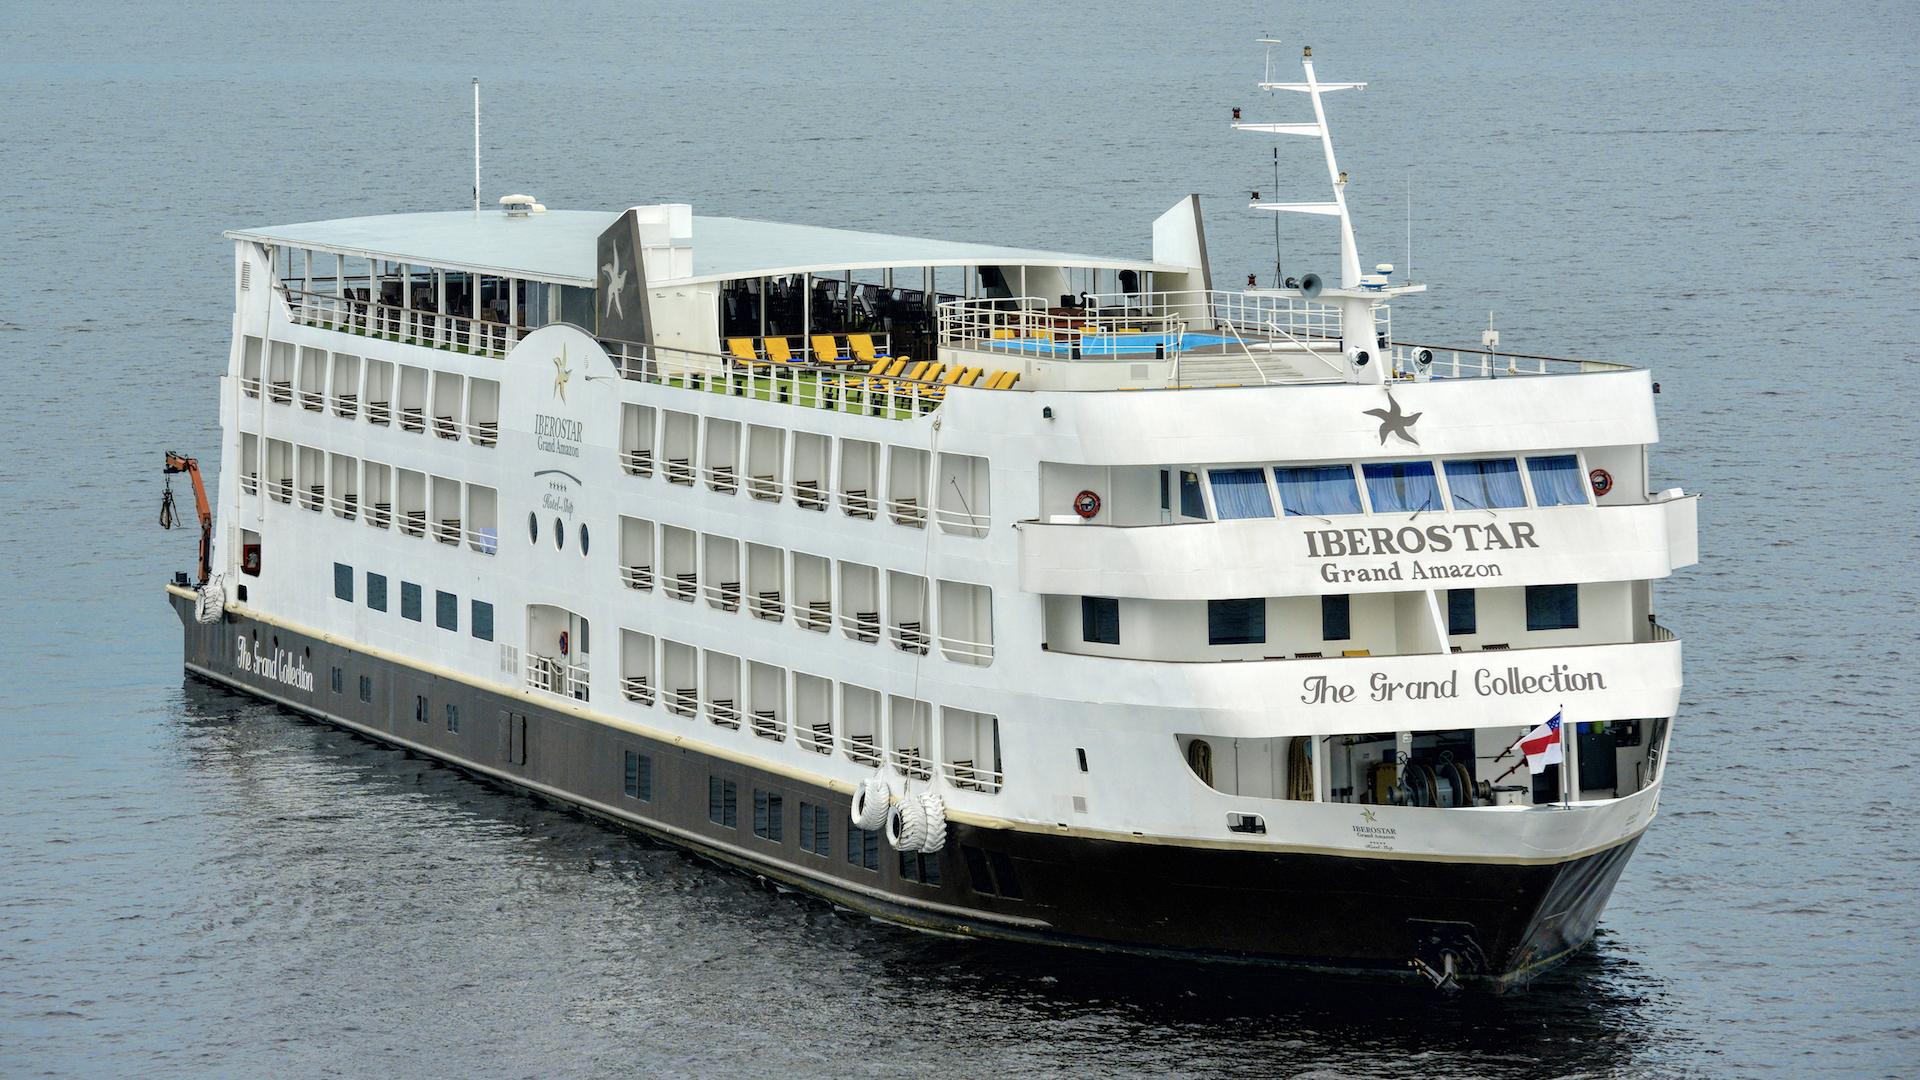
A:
<point x="191" y="883"/>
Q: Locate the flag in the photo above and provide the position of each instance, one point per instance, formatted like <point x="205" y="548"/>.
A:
<point x="1542" y="746"/>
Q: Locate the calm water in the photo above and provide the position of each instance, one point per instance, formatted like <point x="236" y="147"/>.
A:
<point x="195" y="884"/>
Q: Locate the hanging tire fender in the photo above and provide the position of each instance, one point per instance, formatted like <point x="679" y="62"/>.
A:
<point x="907" y="825"/>
<point x="870" y="801"/>
<point x="934" y="810"/>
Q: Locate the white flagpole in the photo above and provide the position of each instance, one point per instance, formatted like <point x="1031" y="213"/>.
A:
<point x="1566" y="760"/>
<point x="476" y="145"/>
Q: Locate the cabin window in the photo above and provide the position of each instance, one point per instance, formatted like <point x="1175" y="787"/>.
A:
<point x="446" y="610"/>
<point x="863" y="847"/>
<point x="1336" y="617"/>
<point x="482" y="620"/>
<point x="410" y="601"/>
<point x="366" y="688"/>
<point x="1237" y="622"/>
<point x="722" y="808"/>
<point x="420" y="708"/>
<point x="1485" y="484"/>
<point x="1401" y="485"/>
<point x="1100" y="620"/>
<point x="343" y="582"/>
<point x="639" y="776"/>
<point x="1240" y="493"/>
<point x="453" y="718"/>
<point x="816" y="829"/>
<point x="1553" y="607"/>
<point x="337" y="681"/>
<point x="583" y="539"/>
<point x="920" y="866"/>
<point x="1192" y="503"/>
<point x="1463" y="615"/>
<point x="1317" y="490"/>
<point x="533" y="527"/>
<point x="769" y="816"/>
<point x="377" y="591"/>
<point x="1557" y="480"/>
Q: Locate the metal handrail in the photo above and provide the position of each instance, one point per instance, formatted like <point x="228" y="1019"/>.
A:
<point x="413" y="326"/>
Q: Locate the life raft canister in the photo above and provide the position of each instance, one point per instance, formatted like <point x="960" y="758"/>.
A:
<point x="1602" y="481"/>
<point x="1086" y="504"/>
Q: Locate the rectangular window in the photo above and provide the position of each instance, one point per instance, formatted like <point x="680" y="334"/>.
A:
<point x="639" y="776"/>
<point x="1166" y="492"/>
<point x="1192" y="503"/>
<point x="410" y="601"/>
<point x="722" y="805"/>
<point x="343" y="582"/>
<point x="1240" y="493"/>
<point x="1317" y="490"/>
<point x="337" y="681"/>
<point x="1557" y="480"/>
<point x="1100" y="620"/>
<point x="366" y="688"/>
<point x="1237" y="622"/>
<point x="1336" y="618"/>
<point x="483" y="620"/>
<point x="920" y="866"/>
<point x="1463" y="615"/>
<point x="863" y="847"/>
<point x="446" y="610"/>
<point x="1485" y="484"/>
<point x="816" y="829"/>
<point x="1553" y="607"/>
<point x="453" y="718"/>
<point x="1401" y="486"/>
<point x="376" y="591"/>
<point x="420" y="708"/>
<point x="768" y="818"/>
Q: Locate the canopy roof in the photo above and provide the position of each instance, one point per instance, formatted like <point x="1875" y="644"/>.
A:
<point x="559" y="246"/>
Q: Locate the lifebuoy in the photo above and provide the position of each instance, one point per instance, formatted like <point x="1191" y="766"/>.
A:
<point x="1086" y="504"/>
<point x="563" y="643"/>
<point x="1602" y="482"/>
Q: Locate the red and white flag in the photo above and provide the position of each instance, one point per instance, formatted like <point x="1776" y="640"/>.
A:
<point x="1542" y="746"/>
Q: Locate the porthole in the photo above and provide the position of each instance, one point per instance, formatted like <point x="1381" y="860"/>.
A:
<point x="583" y="539"/>
<point x="533" y="527"/>
<point x="559" y="535"/>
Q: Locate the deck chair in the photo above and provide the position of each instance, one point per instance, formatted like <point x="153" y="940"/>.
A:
<point x="861" y="346"/>
<point x="741" y="348"/>
<point x="994" y="379"/>
<point x="826" y="350"/>
<point x="778" y="351"/>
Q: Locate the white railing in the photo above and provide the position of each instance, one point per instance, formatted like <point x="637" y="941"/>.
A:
<point x="767" y="605"/>
<point x="908" y="636"/>
<point x="637" y="577"/>
<point x="482" y="432"/>
<point x="682" y="702"/>
<point x="346" y="406"/>
<point x="556" y="676"/>
<point x="725" y="595"/>
<point x="359" y="315"/>
<point x="380" y="514"/>
<point x="1412" y="361"/>
<point x="484" y="539"/>
<point x="637" y="689"/>
<point x="345" y="505"/>
<point x="908" y="512"/>
<point x="768" y="725"/>
<point x="965" y="774"/>
<point x="978" y="653"/>
<point x="817" y="737"/>
<point x="838" y="387"/>
<point x="250" y="483"/>
<point x="908" y="761"/>
<point x="250" y="385"/>
<point x="1028" y="326"/>
<point x="861" y="749"/>
<point x="723" y="712"/>
<point x="637" y="462"/>
<point x="817" y="615"/>
<point x="682" y="586"/>
<point x="861" y="625"/>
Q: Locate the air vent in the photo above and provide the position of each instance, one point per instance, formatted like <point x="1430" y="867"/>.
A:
<point x="520" y="205"/>
<point x="246" y="276"/>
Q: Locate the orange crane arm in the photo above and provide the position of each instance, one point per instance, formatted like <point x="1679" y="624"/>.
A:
<point x="181" y="463"/>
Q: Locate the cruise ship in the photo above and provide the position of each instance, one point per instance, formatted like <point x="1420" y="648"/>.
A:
<point x="994" y="592"/>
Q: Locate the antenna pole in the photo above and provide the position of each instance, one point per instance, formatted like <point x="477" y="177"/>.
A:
<point x="476" y="145"/>
<point x="1279" y="275"/>
<point x="1409" y="250"/>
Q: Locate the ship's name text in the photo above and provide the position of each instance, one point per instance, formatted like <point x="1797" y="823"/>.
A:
<point x="1560" y="679"/>
<point x="276" y="665"/>
<point x="557" y="434"/>
<point x="1415" y="540"/>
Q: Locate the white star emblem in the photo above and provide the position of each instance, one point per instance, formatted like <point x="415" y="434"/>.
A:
<point x="561" y="374"/>
<point x="616" y="281"/>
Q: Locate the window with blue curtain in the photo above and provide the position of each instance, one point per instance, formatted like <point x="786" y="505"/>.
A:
<point x="1463" y="613"/>
<point x="1485" y="484"/>
<point x="1237" y="622"/>
<point x="1557" y="480"/>
<point x="1401" y="485"/>
<point x="1240" y="493"/>
<point x="1553" y="607"/>
<point x="1336" y="618"/>
<point x="1317" y="490"/>
<point x="1192" y="504"/>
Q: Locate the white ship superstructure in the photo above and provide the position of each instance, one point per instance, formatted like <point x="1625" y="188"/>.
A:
<point x="989" y="590"/>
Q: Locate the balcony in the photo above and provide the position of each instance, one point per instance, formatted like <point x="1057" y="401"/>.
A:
<point x="1303" y="556"/>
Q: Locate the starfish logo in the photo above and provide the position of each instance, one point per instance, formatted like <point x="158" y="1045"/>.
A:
<point x="1368" y="815"/>
<point x="616" y="283"/>
<point x="1395" y="422"/>
<point x="561" y="373"/>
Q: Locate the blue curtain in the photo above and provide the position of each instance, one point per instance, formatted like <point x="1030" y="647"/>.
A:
<point x="1240" y="493"/>
<point x="1485" y="483"/>
<point x="1557" y="480"/>
<point x="1401" y="485"/>
<point x="1317" y="491"/>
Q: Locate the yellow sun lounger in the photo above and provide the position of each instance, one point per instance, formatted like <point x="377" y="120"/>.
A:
<point x="861" y="346"/>
<point x="778" y="351"/>
<point x="826" y="350"/>
<point x="741" y="348"/>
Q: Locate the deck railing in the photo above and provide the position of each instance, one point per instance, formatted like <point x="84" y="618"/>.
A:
<point x="1412" y="360"/>
<point x="835" y="387"/>
<point x="411" y="326"/>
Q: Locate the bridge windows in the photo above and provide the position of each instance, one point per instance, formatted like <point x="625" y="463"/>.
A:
<point x="1394" y="486"/>
<point x="1100" y="620"/>
<point x="1336" y="617"/>
<point x="1240" y="493"/>
<point x="1557" y="480"/>
<point x="1485" y="484"/>
<point x="1317" y="490"/>
<point x="1463" y="614"/>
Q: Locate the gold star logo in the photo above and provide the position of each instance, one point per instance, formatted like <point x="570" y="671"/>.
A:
<point x="561" y="374"/>
<point x="1368" y="815"/>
